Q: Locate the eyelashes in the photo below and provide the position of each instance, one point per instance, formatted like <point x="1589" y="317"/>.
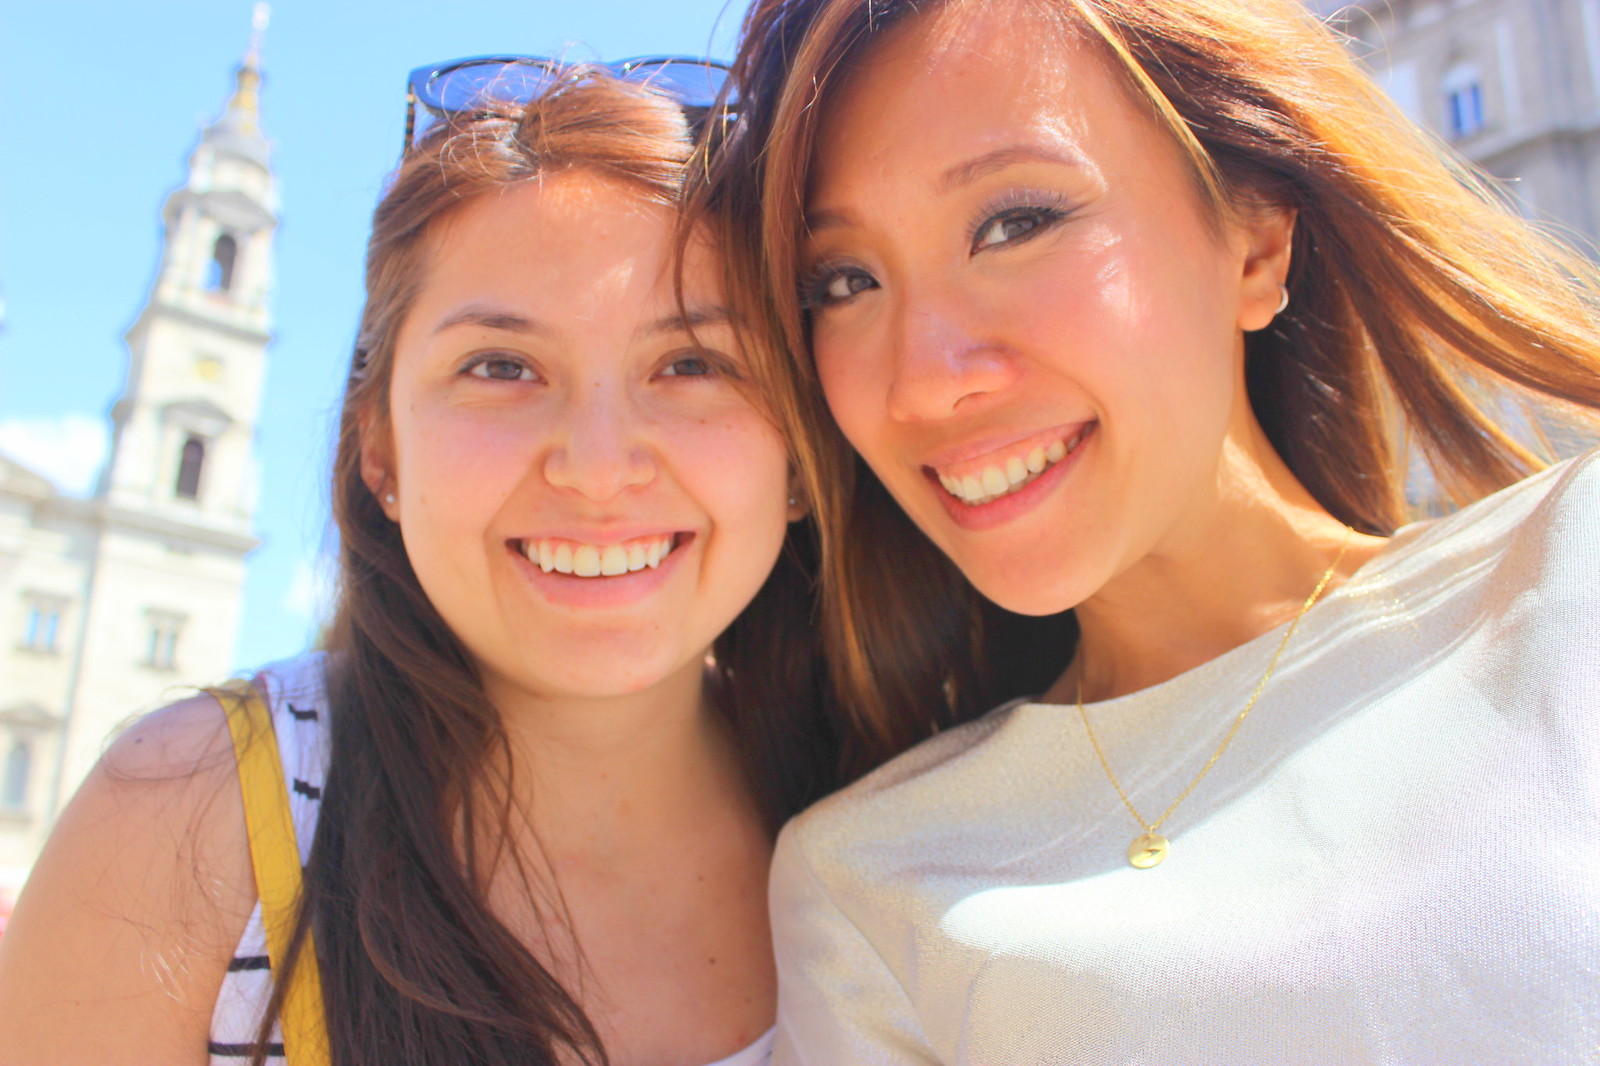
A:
<point x="830" y="283"/>
<point x="1011" y="219"/>
<point x="700" y="363"/>
<point x="1014" y="223"/>
<point x="498" y="366"/>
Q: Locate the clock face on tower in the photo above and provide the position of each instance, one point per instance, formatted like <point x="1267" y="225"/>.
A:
<point x="208" y="368"/>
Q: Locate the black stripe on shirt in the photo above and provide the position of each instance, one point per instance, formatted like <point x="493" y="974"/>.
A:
<point x="302" y="716"/>
<point x="241" y="1051"/>
<point x="306" y="789"/>
<point x="249" y="962"/>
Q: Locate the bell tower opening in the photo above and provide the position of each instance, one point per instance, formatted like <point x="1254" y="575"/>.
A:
<point x="219" y="275"/>
<point x="193" y="458"/>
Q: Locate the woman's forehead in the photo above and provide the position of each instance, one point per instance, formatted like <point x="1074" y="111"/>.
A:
<point x="968" y="80"/>
<point x="1029" y="37"/>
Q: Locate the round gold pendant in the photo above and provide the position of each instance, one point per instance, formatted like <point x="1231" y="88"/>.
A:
<point x="1148" y="850"/>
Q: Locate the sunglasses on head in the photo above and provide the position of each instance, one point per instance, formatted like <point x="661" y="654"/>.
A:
<point x="440" y="91"/>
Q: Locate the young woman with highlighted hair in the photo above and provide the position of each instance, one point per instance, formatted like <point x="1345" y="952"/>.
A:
<point x="535" y="823"/>
<point x="1137" y="315"/>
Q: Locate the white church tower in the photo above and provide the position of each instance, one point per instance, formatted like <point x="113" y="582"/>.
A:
<point x="183" y="427"/>
<point x="122" y="599"/>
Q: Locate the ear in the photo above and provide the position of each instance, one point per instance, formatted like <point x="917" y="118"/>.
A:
<point x="377" y="465"/>
<point x="799" y="502"/>
<point x="1268" y="233"/>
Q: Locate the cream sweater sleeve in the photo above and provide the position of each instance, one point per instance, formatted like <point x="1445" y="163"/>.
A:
<point x="839" y="1003"/>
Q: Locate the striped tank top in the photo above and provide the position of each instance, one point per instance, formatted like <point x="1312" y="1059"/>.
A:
<point x="296" y="697"/>
<point x="297" y="700"/>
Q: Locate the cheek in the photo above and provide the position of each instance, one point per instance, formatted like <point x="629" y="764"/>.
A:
<point x="736" y="462"/>
<point x="736" y="467"/>
<point x="1135" y="326"/>
<point x="446" y="451"/>
<point x="854" y="383"/>
<point x="456" y="472"/>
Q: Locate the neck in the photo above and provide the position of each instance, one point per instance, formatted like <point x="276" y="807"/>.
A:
<point x="613" y="774"/>
<point x="1241" y="561"/>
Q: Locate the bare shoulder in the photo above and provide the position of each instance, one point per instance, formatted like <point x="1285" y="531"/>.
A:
<point x="123" y="933"/>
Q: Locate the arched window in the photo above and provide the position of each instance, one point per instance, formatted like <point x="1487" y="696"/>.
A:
<point x="194" y="457"/>
<point x="219" y="277"/>
<point x="19" y="766"/>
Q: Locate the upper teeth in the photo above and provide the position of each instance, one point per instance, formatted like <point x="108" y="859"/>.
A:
<point x="1009" y="475"/>
<point x="598" y="560"/>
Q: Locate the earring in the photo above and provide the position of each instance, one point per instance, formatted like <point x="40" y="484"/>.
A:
<point x="1283" y="300"/>
<point x="794" y="501"/>
<point x="388" y="498"/>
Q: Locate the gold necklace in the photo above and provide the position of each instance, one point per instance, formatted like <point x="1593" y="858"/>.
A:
<point x="1150" y="847"/>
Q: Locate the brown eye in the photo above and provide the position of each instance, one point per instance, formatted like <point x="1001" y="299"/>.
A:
<point x="1006" y="229"/>
<point x="501" y="368"/>
<point x="835" y="285"/>
<point x="1014" y="225"/>
<point x="688" y="367"/>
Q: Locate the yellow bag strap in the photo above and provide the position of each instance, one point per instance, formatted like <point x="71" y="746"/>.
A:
<point x="276" y="859"/>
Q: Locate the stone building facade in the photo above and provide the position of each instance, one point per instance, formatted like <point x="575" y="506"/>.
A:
<point x="108" y="602"/>
<point x="1513" y="85"/>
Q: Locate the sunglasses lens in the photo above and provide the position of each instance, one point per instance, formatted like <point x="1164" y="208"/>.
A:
<point x="476" y="85"/>
<point x="691" y="83"/>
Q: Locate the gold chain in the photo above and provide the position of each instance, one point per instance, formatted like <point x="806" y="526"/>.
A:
<point x="1150" y="847"/>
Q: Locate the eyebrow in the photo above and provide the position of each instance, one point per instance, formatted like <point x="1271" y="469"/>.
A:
<point x="962" y="174"/>
<point x="690" y="321"/>
<point x="490" y="318"/>
<point x="1009" y="156"/>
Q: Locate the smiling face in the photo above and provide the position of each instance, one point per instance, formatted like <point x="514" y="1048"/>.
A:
<point x="1021" y="316"/>
<point x="587" y="494"/>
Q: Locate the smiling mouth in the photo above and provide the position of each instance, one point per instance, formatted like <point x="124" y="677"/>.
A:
<point x="582" y="559"/>
<point x="994" y="480"/>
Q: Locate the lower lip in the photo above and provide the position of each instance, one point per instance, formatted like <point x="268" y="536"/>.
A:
<point x="1006" y="508"/>
<point x="602" y="593"/>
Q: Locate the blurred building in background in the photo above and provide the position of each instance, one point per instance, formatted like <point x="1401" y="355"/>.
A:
<point x="107" y="602"/>
<point x="1513" y="85"/>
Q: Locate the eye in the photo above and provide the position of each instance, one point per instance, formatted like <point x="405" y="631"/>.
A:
<point x="1015" y="224"/>
<point x="496" y="367"/>
<point x="700" y="363"/>
<point x="831" y="284"/>
<point x="692" y="365"/>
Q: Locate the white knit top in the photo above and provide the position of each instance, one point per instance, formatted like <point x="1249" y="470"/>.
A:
<point x="1397" y="860"/>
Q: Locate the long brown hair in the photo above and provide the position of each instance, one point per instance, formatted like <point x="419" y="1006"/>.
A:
<point x="415" y="966"/>
<point x="1419" y="304"/>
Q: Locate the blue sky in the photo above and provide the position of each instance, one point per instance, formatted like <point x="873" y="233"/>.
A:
<point x="102" y="105"/>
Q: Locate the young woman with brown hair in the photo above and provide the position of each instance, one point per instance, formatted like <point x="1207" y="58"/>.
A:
<point x="541" y="822"/>
<point x="1129" y="308"/>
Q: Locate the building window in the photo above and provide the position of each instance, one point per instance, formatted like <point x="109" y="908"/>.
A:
<point x="19" y="767"/>
<point x="219" y="275"/>
<point x="1463" y="93"/>
<point x="41" y="631"/>
<point x="194" y="457"/>
<point x="161" y="650"/>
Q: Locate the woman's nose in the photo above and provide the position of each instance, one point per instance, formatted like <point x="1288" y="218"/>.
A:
<point x="943" y="359"/>
<point x="601" y="449"/>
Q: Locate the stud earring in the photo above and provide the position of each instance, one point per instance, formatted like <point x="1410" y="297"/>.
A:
<point x="1283" y="300"/>
<point x="388" y="498"/>
<point x="793" y="502"/>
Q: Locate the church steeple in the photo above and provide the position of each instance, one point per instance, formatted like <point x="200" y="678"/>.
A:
<point x="244" y="108"/>
<point x="184" y="427"/>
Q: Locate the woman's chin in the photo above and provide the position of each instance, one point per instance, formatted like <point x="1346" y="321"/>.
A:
<point x="1023" y="590"/>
